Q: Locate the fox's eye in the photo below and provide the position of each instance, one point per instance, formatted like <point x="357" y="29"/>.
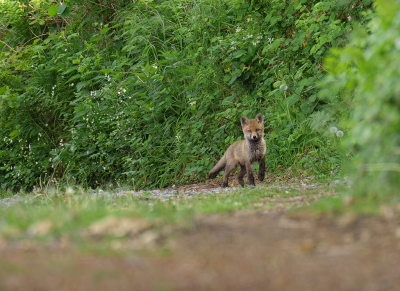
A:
<point x="257" y="129"/>
<point x="249" y="130"/>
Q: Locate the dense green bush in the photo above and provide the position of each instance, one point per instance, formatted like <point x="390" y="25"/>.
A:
<point x="151" y="92"/>
<point x="365" y="79"/>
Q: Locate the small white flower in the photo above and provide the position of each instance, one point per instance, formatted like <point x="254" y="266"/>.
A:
<point x="397" y="43"/>
<point x="238" y="29"/>
<point x="333" y="129"/>
<point x="192" y="103"/>
<point x="69" y="191"/>
<point x="339" y="133"/>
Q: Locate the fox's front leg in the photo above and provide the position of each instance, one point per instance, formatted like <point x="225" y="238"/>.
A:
<point x="261" y="170"/>
<point x="250" y="176"/>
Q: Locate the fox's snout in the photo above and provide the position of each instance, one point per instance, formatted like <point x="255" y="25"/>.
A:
<point x="254" y="137"/>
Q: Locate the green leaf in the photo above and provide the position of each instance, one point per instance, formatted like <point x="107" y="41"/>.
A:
<point x="74" y="77"/>
<point x="3" y="89"/>
<point x="60" y="9"/>
<point x="52" y="10"/>
<point x="228" y="100"/>
<point x="14" y="133"/>
<point x="293" y="99"/>
<point x="239" y="53"/>
<point x="104" y="30"/>
<point x="237" y="73"/>
<point x="80" y="85"/>
<point x="66" y="12"/>
<point x="96" y="38"/>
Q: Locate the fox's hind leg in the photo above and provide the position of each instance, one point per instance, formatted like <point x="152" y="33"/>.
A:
<point x="261" y="170"/>
<point x="241" y="174"/>
<point x="250" y="175"/>
<point x="228" y="169"/>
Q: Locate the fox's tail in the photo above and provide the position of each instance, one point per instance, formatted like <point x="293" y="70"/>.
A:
<point x="217" y="168"/>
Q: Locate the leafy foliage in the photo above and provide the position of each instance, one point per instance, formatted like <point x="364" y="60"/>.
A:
<point x="151" y="92"/>
<point x="364" y="75"/>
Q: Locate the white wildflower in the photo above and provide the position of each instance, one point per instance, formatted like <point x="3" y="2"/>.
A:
<point x="397" y="43"/>
<point x="238" y="29"/>
<point x="339" y="133"/>
<point x="333" y="129"/>
<point x="283" y="86"/>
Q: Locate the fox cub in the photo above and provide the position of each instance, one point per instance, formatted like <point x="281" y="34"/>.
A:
<point x="244" y="153"/>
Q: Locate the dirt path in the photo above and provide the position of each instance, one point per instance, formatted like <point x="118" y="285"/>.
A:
<point x="244" y="250"/>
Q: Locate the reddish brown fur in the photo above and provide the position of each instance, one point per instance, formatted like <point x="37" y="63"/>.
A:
<point x="244" y="153"/>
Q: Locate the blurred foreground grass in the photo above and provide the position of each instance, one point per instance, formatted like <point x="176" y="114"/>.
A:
<point x="104" y="224"/>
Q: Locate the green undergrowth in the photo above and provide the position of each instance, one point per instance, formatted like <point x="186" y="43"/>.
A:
<point x="151" y="92"/>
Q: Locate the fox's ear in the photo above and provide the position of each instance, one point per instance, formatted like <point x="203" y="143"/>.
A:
<point x="244" y="120"/>
<point x="259" y="118"/>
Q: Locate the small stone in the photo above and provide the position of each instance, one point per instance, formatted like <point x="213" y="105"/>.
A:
<point x="387" y="211"/>
<point x="118" y="226"/>
<point x="40" y="228"/>
<point x="397" y="232"/>
<point x="346" y="220"/>
<point x="348" y="200"/>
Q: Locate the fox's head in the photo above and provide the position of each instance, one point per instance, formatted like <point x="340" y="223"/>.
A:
<point x="253" y="129"/>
